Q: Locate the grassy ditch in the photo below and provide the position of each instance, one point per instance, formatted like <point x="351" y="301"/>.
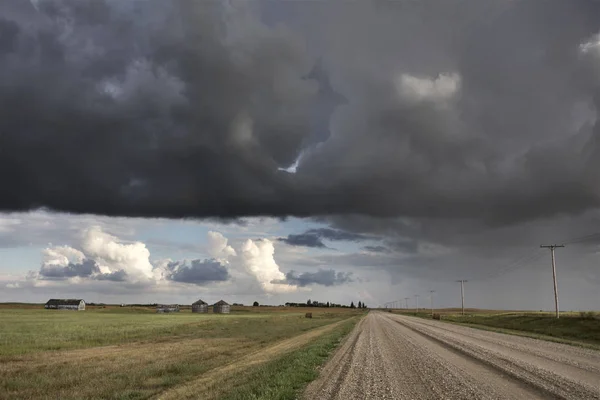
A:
<point x="569" y="328"/>
<point x="285" y="377"/>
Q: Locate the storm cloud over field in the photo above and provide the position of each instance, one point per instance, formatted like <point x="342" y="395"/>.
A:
<point x="418" y="131"/>
<point x="185" y="109"/>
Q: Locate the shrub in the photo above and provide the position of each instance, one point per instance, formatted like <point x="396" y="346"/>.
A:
<point x="588" y="315"/>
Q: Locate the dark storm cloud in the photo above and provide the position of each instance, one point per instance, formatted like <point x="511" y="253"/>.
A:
<point x="315" y="237"/>
<point x="198" y="272"/>
<point x="189" y="109"/>
<point x="325" y="277"/>
<point x="84" y="269"/>
<point x="149" y="108"/>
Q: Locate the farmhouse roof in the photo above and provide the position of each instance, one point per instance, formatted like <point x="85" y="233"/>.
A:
<point x="63" y="302"/>
<point x="221" y="303"/>
<point x="200" y="302"/>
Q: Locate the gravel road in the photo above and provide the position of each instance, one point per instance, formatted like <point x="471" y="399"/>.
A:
<point x="397" y="357"/>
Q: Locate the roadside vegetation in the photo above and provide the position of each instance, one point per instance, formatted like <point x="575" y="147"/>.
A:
<point x="284" y="378"/>
<point x="122" y="353"/>
<point x="579" y="328"/>
<point x="572" y="326"/>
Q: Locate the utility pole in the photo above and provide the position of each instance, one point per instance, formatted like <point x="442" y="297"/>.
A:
<point x="431" y="298"/>
<point x="462" y="293"/>
<point x="417" y="303"/>
<point x="406" y="300"/>
<point x="552" y="247"/>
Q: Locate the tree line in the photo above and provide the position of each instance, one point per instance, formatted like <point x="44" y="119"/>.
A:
<point x="315" y="303"/>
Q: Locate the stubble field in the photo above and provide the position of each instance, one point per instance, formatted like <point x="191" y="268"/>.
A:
<point x="134" y="353"/>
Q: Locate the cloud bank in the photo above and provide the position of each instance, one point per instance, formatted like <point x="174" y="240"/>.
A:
<point x="315" y="237"/>
<point x="461" y="125"/>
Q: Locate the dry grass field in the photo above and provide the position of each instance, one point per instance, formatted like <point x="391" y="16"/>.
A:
<point x="134" y="353"/>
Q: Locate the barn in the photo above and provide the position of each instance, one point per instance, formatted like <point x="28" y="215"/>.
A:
<point x="167" y="308"/>
<point x="200" y="306"/>
<point x="221" y="307"/>
<point x="65" y="304"/>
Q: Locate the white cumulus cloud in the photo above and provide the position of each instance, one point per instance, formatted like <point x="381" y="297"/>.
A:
<point x="258" y="259"/>
<point x="218" y="247"/>
<point x="61" y="256"/>
<point x="112" y="255"/>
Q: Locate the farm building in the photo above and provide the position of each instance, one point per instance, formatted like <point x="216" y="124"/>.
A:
<point x="221" y="307"/>
<point x="65" y="304"/>
<point x="167" y="308"/>
<point x="200" y="307"/>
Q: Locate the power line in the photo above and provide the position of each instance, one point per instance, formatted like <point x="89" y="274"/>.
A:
<point x="552" y="247"/>
<point x="462" y="293"/>
<point x="513" y="265"/>
<point x="581" y="239"/>
<point x="431" y="298"/>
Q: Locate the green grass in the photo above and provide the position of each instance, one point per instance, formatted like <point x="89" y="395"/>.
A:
<point x="567" y="329"/>
<point x="284" y="378"/>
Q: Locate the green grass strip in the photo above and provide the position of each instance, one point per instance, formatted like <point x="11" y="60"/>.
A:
<point x="582" y="331"/>
<point x="285" y="377"/>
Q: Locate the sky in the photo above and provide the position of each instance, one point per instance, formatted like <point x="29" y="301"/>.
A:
<point x="155" y="151"/>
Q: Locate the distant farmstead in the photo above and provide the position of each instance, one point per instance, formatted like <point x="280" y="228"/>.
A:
<point x="221" y="307"/>
<point x="65" y="304"/>
<point x="200" y="307"/>
<point x="167" y="308"/>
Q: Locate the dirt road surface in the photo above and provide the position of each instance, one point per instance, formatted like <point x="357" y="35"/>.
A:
<point x="397" y="357"/>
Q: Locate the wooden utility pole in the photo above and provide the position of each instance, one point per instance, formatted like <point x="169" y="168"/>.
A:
<point x="406" y="300"/>
<point x="552" y="247"/>
<point x="417" y="303"/>
<point x="431" y="298"/>
<point x="462" y="293"/>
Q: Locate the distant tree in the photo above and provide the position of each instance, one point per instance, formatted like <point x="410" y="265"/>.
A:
<point x="309" y="303"/>
<point x="255" y="304"/>
<point x="352" y="305"/>
<point x="359" y="304"/>
<point x="364" y="305"/>
<point x="327" y="304"/>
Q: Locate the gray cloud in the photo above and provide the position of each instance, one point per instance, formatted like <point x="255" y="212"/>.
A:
<point x="315" y="237"/>
<point x="219" y="116"/>
<point x="325" y="277"/>
<point x="198" y="272"/>
<point x="117" y="276"/>
<point x="377" y="249"/>
<point x="459" y="123"/>
<point x="85" y="269"/>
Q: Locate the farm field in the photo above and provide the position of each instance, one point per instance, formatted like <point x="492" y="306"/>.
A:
<point x="572" y="327"/>
<point x="134" y="353"/>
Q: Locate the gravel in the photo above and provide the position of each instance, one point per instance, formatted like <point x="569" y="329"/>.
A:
<point x="397" y="357"/>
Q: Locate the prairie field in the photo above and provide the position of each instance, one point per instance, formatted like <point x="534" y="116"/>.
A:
<point x="135" y="353"/>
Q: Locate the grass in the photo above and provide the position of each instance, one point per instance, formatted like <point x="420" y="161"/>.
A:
<point x="568" y="328"/>
<point x="285" y="377"/>
<point x="24" y="331"/>
<point x="577" y="328"/>
<point x="134" y="354"/>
